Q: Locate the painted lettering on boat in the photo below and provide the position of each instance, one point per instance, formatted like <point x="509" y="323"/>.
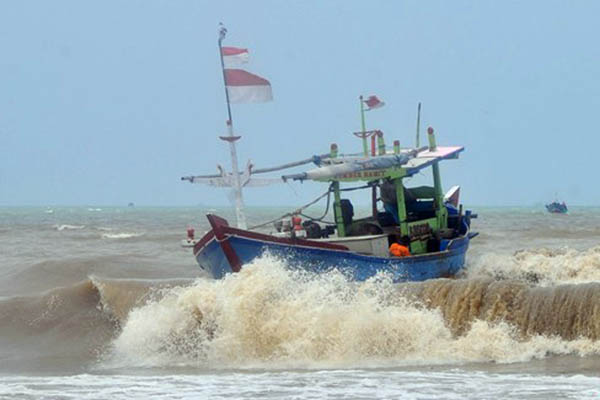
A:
<point x="420" y="230"/>
<point x="362" y="174"/>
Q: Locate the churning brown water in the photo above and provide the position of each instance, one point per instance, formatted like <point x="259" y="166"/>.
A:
<point x="94" y="299"/>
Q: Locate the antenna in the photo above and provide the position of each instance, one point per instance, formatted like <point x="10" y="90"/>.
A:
<point x="418" y="125"/>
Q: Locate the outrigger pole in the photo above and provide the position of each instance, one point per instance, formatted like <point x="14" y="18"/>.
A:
<point x="231" y="139"/>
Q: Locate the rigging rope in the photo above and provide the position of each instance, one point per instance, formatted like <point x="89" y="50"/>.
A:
<point x="325" y="213"/>
<point x="299" y="210"/>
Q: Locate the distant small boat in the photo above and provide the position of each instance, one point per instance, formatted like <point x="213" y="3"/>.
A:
<point x="557" y="208"/>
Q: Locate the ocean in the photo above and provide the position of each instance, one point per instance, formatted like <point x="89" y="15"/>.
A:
<point x="104" y="303"/>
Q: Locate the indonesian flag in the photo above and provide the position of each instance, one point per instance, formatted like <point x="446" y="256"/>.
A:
<point x="234" y="56"/>
<point x="373" y="102"/>
<point x="244" y="87"/>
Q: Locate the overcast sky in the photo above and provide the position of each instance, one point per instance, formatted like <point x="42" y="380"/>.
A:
<point x="110" y="102"/>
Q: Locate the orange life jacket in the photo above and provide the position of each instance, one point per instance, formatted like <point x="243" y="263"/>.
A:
<point x="398" y="250"/>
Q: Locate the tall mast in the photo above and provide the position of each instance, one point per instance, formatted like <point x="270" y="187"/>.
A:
<point x="364" y="136"/>
<point x="418" y="125"/>
<point x="363" y="126"/>
<point x="231" y="138"/>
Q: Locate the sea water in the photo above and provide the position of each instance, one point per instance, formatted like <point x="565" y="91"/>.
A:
<point x="102" y="302"/>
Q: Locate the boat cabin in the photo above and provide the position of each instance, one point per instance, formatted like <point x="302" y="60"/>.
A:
<point x="423" y="217"/>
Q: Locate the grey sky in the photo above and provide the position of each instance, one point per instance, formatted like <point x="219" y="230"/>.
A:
<point x="109" y="102"/>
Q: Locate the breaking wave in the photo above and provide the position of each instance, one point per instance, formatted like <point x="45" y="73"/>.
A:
<point x="70" y="325"/>
<point x="270" y="316"/>
<point x="544" y="267"/>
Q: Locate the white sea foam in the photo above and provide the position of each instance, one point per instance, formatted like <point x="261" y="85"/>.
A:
<point x="68" y="227"/>
<point x="301" y="385"/>
<point x="545" y="267"/>
<point x="269" y="316"/>
<point x="121" y="235"/>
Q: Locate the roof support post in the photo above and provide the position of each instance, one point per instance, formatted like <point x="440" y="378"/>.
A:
<point x="337" y="206"/>
<point x="374" y="189"/>
<point x="441" y="212"/>
<point x="337" y="201"/>
<point x="401" y="206"/>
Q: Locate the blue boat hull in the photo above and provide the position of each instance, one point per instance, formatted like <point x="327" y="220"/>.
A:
<point x="212" y="257"/>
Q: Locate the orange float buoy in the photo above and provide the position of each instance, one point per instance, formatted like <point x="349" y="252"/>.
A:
<point x="399" y="250"/>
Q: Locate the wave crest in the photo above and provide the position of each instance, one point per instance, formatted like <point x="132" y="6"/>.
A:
<point x="544" y="267"/>
<point x="269" y="316"/>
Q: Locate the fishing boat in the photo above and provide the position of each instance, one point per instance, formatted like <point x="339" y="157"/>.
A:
<point x="430" y="224"/>
<point x="422" y="225"/>
<point x="557" y="208"/>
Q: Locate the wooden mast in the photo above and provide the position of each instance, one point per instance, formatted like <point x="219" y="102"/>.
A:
<point x="231" y="139"/>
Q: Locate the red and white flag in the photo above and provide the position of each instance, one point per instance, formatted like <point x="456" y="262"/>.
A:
<point x="244" y="87"/>
<point x="234" y="56"/>
<point x="373" y="102"/>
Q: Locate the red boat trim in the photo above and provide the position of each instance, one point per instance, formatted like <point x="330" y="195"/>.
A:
<point x="222" y="231"/>
<point x="202" y="242"/>
<point x="226" y="229"/>
<point x="288" y="241"/>
<point x="220" y="226"/>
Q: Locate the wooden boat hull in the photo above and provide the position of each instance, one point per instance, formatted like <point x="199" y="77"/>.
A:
<point x="557" y="208"/>
<point x="226" y="249"/>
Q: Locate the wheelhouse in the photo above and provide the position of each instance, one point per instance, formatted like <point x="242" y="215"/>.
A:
<point x="422" y="215"/>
